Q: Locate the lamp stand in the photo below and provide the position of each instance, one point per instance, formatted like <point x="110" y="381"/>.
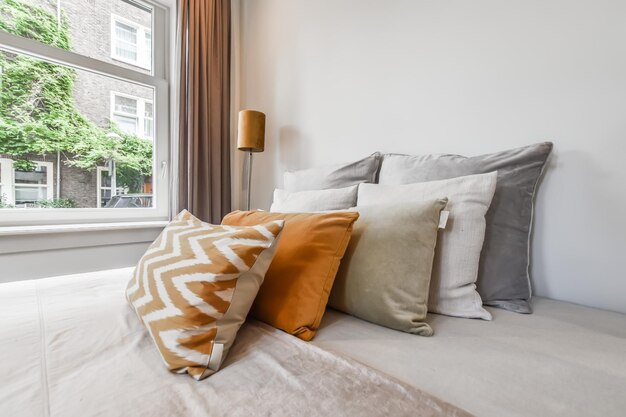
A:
<point x="249" y="180"/>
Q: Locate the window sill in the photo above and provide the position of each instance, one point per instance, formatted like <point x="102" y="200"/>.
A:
<point x="77" y="228"/>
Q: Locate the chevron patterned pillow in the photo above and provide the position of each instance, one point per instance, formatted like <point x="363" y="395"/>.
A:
<point x="194" y="286"/>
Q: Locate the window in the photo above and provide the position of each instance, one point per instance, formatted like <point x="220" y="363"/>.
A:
<point x="33" y="185"/>
<point x="110" y="134"/>
<point x="148" y="120"/>
<point x="131" y="42"/>
<point x="133" y="115"/>
<point x="106" y="185"/>
<point x="21" y="187"/>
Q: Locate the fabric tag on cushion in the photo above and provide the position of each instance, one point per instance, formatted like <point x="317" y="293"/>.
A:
<point x="443" y="219"/>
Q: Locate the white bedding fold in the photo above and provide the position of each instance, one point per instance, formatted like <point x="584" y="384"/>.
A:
<point x="71" y="346"/>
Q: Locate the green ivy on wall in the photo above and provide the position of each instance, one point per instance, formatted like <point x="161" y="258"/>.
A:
<point x="37" y="110"/>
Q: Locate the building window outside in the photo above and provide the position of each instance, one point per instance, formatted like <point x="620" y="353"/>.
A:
<point x="35" y="185"/>
<point x="23" y="188"/>
<point x="133" y="115"/>
<point x="131" y="42"/>
<point x="148" y="119"/>
<point x="105" y="186"/>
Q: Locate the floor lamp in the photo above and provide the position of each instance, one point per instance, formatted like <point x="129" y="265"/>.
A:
<point x="251" y="138"/>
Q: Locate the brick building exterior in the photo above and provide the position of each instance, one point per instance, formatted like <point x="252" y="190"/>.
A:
<point x="117" y="32"/>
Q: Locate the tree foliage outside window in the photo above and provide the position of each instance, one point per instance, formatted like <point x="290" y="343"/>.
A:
<point x="38" y="114"/>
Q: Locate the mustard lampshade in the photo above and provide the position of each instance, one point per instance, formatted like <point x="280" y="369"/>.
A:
<point x="251" y="131"/>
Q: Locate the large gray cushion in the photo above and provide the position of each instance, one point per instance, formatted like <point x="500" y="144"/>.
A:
<point x="503" y="279"/>
<point x="334" y="176"/>
<point x="385" y="274"/>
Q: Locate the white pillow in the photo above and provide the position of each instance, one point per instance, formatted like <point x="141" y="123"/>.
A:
<point x="453" y="285"/>
<point x="317" y="200"/>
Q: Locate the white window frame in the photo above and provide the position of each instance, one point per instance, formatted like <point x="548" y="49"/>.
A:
<point x="140" y="116"/>
<point x="99" y="186"/>
<point x="49" y="186"/>
<point x="143" y="60"/>
<point x="9" y="184"/>
<point x="158" y="79"/>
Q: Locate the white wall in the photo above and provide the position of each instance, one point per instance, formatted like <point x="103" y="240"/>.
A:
<point x="340" y="79"/>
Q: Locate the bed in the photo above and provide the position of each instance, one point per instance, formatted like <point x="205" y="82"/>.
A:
<point x="71" y="346"/>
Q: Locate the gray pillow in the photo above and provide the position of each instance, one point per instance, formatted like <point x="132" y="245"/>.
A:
<point x="503" y="278"/>
<point x="334" y="176"/>
<point x="384" y="276"/>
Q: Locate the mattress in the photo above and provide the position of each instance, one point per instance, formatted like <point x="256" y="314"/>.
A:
<point x="72" y="347"/>
<point x="563" y="360"/>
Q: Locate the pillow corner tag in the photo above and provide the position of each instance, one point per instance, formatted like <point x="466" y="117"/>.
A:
<point x="443" y="219"/>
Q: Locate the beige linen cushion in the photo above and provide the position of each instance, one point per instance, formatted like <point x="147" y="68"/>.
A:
<point x="455" y="270"/>
<point x="194" y="286"/>
<point x="314" y="200"/>
<point x="385" y="274"/>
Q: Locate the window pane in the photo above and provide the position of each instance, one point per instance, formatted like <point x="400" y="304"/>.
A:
<point x="89" y="27"/>
<point x="148" y="55"/>
<point x="125" y="41"/>
<point x="88" y="128"/>
<point x="126" y="33"/>
<point x="126" y="124"/>
<point x="125" y="51"/>
<point x="147" y="128"/>
<point x="25" y="195"/>
<point x="105" y="179"/>
<point x="148" y="123"/>
<point x="105" y="197"/>
<point x="148" y="110"/>
<point x="37" y="176"/>
<point x="125" y="105"/>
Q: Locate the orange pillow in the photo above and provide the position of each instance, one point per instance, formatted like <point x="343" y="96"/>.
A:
<point x="295" y="291"/>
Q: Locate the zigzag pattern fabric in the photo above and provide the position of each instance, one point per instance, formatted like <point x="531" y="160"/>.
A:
<point x="184" y="288"/>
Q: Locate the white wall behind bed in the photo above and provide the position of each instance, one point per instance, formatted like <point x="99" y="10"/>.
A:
<point x="340" y="79"/>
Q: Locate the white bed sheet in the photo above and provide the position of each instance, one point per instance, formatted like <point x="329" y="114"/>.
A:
<point x="563" y="360"/>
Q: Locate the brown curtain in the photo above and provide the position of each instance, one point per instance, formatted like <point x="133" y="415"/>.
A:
<point x="204" y="142"/>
